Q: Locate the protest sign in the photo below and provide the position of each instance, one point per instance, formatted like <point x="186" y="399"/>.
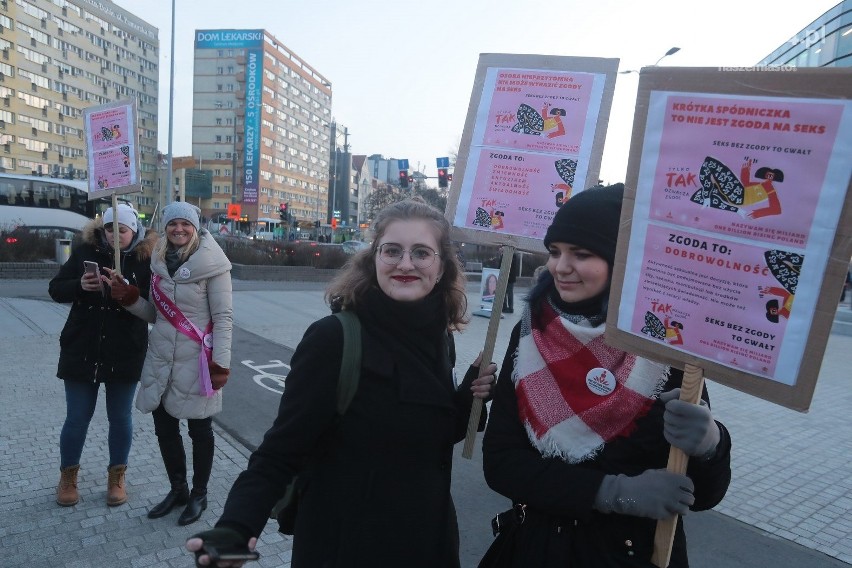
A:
<point x="113" y="149"/>
<point x="534" y="136"/>
<point x="737" y="203"/>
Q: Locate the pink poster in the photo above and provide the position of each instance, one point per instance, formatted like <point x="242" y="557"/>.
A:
<point x="518" y="193"/>
<point x="539" y="110"/>
<point x="112" y="148"/>
<point x="109" y="128"/>
<point x="737" y="203"/>
<point x="752" y="168"/>
<point x="723" y="300"/>
<point x="113" y="167"/>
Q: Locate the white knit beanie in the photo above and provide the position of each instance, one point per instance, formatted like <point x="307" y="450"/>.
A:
<point x="182" y="210"/>
<point x="126" y="216"/>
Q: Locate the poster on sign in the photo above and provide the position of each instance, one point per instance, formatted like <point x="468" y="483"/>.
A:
<point x="737" y="225"/>
<point x="113" y="150"/>
<point x="533" y="137"/>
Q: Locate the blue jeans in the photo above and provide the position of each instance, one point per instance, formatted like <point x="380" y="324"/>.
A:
<point x="80" y="401"/>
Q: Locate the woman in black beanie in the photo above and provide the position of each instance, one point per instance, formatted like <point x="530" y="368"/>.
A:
<point x="579" y="431"/>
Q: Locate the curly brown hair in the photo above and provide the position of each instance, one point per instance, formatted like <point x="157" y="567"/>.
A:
<point x="349" y="288"/>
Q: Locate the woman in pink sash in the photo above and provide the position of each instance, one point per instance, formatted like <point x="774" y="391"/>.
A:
<point x="189" y="352"/>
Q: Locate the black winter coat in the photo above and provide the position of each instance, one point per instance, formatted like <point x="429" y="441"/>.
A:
<point x="563" y="528"/>
<point x="101" y="341"/>
<point x="378" y="490"/>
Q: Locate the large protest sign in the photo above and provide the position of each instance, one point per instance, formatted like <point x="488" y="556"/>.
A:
<point x="534" y="136"/>
<point x="113" y="148"/>
<point x="737" y="204"/>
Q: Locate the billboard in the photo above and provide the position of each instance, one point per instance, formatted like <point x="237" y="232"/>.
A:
<point x="252" y="42"/>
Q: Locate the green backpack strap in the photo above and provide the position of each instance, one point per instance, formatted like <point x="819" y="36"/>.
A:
<point x="350" y="363"/>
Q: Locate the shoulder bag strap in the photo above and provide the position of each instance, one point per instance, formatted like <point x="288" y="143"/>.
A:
<point x="350" y="363"/>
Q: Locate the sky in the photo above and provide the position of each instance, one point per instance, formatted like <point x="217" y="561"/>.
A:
<point x="402" y="71"/>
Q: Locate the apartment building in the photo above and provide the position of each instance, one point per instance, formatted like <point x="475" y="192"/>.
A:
<point x="58" y="57"/>
<point x="265" y="111"/>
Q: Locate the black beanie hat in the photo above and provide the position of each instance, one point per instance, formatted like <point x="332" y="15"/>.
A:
<point x="590" y="220"/>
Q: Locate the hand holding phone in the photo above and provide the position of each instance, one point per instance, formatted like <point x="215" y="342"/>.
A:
<point x="230" y="554"/>
<point x="91" y="280"/>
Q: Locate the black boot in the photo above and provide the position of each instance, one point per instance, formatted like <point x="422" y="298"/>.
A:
<point x="197" y="503"/>
<point x="174" y="458"/>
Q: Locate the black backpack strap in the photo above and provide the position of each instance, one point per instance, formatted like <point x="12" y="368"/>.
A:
<point x="350" y="362"/>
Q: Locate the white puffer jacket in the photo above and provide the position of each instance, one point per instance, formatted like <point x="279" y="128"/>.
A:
<point x="201" y="288"/>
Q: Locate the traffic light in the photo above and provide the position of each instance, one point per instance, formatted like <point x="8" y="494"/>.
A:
<point x="403" y="179"/>
<point x="282" y="212"/>
<point x="443" y="177"/>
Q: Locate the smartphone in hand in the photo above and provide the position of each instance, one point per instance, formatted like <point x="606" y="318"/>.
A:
<point x="91" y="267"/>
<point x="230" y="553"/>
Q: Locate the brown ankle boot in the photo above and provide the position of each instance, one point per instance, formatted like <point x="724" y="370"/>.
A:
<point x="66" y="491"/>
<point x="116" y="494"/>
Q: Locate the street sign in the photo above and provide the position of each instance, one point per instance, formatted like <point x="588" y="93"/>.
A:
<point x="234" y="211"/>
<point x="443" y="162"/>
<point x="402" y="164"/>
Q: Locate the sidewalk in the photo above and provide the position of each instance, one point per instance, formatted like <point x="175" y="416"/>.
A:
<point x="792" y="471"/>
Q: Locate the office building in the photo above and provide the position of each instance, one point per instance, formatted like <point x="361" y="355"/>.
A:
<point x="265" y="111"/>
<point x="60" y="57"/>
<point x="826" y="42"/>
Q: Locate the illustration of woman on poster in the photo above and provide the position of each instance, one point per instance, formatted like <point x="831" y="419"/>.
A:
<point x="785" y="267"/>
<point x="566" y="169"/>
<point x="721" y="189"/>
<point x="758" y="193"/>
<point x="553" y="121"/>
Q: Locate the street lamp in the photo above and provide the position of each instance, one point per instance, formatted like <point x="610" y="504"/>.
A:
<point x="671" y="51"/>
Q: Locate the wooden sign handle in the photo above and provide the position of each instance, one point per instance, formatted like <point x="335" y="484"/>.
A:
<point x="488" y="349"/>
<point x="116" y="247"/>
<point x="693" y="384"/>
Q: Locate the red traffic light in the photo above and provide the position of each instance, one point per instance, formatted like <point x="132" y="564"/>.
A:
<point x="443" y="177"/>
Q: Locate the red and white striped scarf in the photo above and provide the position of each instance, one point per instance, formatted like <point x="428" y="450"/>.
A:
<point x="575" y="392"/>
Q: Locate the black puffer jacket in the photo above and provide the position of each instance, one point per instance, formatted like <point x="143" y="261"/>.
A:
<point x="101" y="341"/>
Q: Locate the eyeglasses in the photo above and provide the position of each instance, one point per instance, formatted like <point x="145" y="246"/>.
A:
<point x="421" y="256"/>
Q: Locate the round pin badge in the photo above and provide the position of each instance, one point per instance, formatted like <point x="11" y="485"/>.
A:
<point x="208" y="341"/>
<point x="183" y="272"/>
<point x="600" y="381"/>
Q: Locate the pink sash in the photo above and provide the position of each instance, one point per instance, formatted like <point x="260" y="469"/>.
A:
<point x="181" y="323"/>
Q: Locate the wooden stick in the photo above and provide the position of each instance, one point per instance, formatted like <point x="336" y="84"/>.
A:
<point x="116" y="247"/>
<point x="488" y="349"/>
<point x="690" y="391"/>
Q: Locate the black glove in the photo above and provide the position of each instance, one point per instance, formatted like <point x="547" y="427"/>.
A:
<point x="688" y="426"/>
<point x="656" y="494"/>
<point x="222" y="538"/>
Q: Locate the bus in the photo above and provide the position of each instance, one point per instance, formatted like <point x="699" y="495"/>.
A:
<point x="37" y="201"/>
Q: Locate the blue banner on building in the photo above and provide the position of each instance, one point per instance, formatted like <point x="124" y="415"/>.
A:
<point x="228" y="39"/>
<point x="252" y="42"/>
<point x="251" y="131"/>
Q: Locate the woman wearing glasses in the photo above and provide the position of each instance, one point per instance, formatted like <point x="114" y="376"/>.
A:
<point x="378" y="477"/>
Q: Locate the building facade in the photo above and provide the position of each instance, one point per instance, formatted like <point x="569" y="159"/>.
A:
<point x="826" y="42"/>
<point x="266" y="113"/>
<point x="60" y="57"/>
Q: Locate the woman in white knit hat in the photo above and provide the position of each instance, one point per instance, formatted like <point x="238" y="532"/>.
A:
<point x="189" y="352"/>
<point x="101" y="343"/>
